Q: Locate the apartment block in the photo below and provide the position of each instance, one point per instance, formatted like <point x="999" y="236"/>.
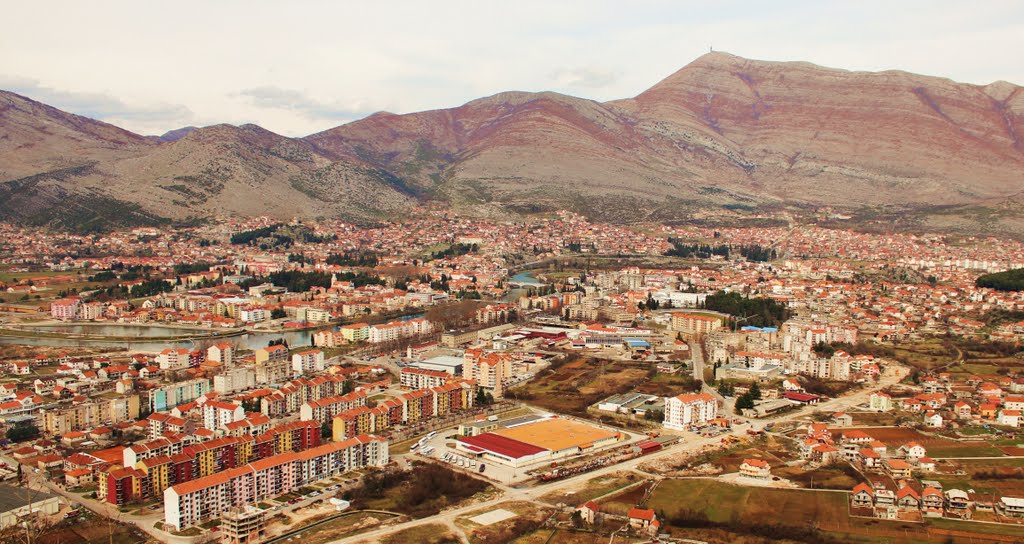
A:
<point x="193" y="502"/>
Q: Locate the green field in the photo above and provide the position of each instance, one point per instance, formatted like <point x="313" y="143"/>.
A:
<point x="730" y="504"/>
<point x="957" y="450"/>
<point x="723" y="502"/>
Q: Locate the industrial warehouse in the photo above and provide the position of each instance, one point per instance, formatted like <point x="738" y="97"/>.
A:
<point x="534" y="440"/>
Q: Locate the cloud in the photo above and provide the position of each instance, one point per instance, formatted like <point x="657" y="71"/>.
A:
<point x="102" y="106"/>
<point x="589" y="78"/>
<point x="273" y="97"/>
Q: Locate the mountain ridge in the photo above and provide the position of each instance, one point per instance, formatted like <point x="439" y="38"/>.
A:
<point x="721" y="134"/>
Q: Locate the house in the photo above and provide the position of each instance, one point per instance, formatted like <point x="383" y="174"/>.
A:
<point x="932" y="502"/>
<point x="644" y="520"/>
<point x="912" y="450"/>
<point x="962" y="410"/>
<point x="897" y="468"/>
<point x="913" y="405"/>
<point x="932" y="419"/>
<point x="824" y="454"/>
<point x="870" y="458"/>
<point x="589" y="512"/>
<point x="863" y="496"/>
<point x="1010" y="418"/>
<point x="926" y="464"/>
<point x="78" y="477"/>
<point x="1013" y="403"/>
<point x="842" y="419"/>
<point x="957" y="499"/>
<point x="880" y="402"/>
<point x="819" y="431"/>
<point x="1012" y="507"/>
<point x="755" y="468"/>
<point x="908" y="499"/>
<point x="857" y="437"/>
<point x="791" y="384"/>
<point x="988" y="410"/>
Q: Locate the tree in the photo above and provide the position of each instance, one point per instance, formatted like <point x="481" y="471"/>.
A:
<point x="483" y="398"/>
<point x="745" y="402"/>
<point x="278" y="313"/>
<point x="755" y="391"/>
<point x="21" y="432"/>
<point x="347" y="387"/>
<point x="326" y="431"/>
<point x="577" y="519"/>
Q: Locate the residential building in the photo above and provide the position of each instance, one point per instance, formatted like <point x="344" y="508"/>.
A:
<point x="307" y="362"/>
<point x="195" y="501"/>
<point x="686" y="410"/>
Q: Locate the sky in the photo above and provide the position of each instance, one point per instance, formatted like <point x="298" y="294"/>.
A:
<point x="300" y="67"/>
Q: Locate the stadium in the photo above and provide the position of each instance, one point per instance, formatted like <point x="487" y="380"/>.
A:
<point x="537" y="440"/>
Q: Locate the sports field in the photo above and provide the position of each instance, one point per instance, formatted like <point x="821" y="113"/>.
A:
<point x="557" y="434"/>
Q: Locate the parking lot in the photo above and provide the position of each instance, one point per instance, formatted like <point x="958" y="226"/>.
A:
<point x="442" y="448"/>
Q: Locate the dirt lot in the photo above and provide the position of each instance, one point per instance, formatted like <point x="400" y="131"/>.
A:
<point x="574" y="386"/>
<point x="527" y="520"/>
<point x="433" y="533"/>
<point x="591" y="489"/>
<point x="88" y="530"/>
<point x="341" y="527"/>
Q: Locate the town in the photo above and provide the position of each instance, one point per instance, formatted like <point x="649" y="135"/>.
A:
<point x="444" y="378"/>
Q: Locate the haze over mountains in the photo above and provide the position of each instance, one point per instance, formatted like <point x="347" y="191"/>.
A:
<point x="723" y="133"/>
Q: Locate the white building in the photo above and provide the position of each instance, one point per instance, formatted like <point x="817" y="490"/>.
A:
<point x="880" y="402"/>
<point x="235" y="379"/>
<point x="690" y="409"/>
<point x="308" y="361"/>
<point x="217" y="414"/>
<point x="173" y="359"/>
<point x="223" y="353"/>
<point x="253" y="314"/>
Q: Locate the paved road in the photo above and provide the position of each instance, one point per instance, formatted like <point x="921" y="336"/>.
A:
<point x="686" y="446"/>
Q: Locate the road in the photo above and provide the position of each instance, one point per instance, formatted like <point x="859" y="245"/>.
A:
<point x="531" y="494"/>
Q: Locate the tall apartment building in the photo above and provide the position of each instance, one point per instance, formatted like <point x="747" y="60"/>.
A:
<point x="169" y="396"/>
<point x="92" y="413"/>
<point x="306" y="362"/>
<point x="273" y="365"/>
<point x="420" y="378"/>
<point x="324" y="410"/>
<point x="690" y="409"/>
<point x="223" y="353"/>
<point x="193" y="502"/>
<point x="217" y="414"/>
<point x="235" y="379"/>
<point x="490" y="370"/>
<point x="173" y="359"/>
<point x="411" y="407"/>
<point x="65" y="309"/>
<point x="356" y="332"/>
<point x="695" y="324"/>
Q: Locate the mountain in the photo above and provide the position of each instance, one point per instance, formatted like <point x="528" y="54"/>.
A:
<point x="721" y="131"/>
<point x="176" y="134"/>
<point x="71" y="172"/>
<point x="723" y="136"/>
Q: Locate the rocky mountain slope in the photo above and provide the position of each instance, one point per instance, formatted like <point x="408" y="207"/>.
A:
<point x="722" y="135"/>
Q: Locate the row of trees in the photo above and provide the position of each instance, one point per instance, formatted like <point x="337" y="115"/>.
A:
<point x="758" y="312"/>
<point x="455" y="250"/>
<point x="1010" y="280"/>
<point x="752" y="252"/>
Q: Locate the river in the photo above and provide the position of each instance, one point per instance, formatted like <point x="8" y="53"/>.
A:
<point x="248" y="341"/>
